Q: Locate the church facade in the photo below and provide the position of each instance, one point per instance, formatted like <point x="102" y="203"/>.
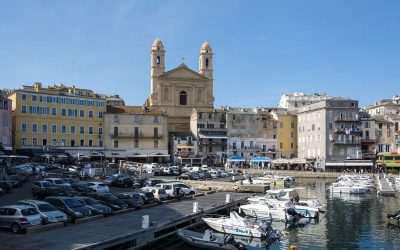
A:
<point x="181" y="89"/>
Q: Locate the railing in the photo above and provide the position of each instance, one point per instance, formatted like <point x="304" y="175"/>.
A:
<point x="347" y="142"/>
<point x="346" y="119"/>
<point x="134" y="135"/>
<point x="347" y="130"/>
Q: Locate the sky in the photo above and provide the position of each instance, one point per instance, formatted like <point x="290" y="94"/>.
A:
<point x="262" y="48"/>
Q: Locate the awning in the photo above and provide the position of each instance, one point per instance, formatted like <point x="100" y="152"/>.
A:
<point x="212" y="136"/>
<point x="280" y="161"/>
<point x="260" y="159"/>
<point x="349" y="164"/>
<point x="297" y="161"/>
<point x="184" y="146"/>
<point x="235" y="158"/>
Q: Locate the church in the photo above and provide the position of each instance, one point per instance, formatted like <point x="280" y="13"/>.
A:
<point x="181" y="89"/>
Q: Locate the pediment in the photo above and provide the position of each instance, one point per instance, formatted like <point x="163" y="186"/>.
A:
<point x="183" y="72"/>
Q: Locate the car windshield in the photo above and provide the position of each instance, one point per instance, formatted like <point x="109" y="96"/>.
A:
<point x="59" y="182"/>
<point x="73" y="203"/>
<point x="29" y="211"/>
<point x="46" y="208"/>
<point x="90" y="201"/>
<point x="161" y="191"/>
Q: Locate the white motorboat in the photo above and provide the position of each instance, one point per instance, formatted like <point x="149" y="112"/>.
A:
<point x="347" y="187"/>
<point x="234" y="224"/>
<point x="209" y="240"/>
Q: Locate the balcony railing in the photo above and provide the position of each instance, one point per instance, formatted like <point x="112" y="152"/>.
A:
<point x="346" y="119"/>
<point x="347" y="130"/>
<point x="347" y="142"/>
<point x="135" y="135"/>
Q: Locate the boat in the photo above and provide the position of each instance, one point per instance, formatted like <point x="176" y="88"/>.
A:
<point x="234" y="224"/>
<point x="208" y="240"/>
<point x="347" y="187"/>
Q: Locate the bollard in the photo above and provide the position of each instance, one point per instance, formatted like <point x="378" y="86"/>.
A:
<point x="195" y="207"/>
<point x="145" y="221"/>
<point x="233" y="178"/>
<point x="228" y="198"/>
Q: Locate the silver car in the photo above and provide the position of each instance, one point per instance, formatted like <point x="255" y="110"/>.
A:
<point x="18" y="217"/>
<point x="49" y="213"/>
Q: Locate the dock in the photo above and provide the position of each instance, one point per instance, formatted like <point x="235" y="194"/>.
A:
<point x="125" y="230"/>
<point x="384" y="187"/>
<point x="236" y="186"/>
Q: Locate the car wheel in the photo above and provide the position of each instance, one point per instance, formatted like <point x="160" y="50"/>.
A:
<point x="15" y="227"/>
<point x="191" y="193"/>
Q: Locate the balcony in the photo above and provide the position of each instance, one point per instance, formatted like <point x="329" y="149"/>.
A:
<point x="367" y="141"/>
<point x="346" y="119"/>
<point x="348" y="130"/>
<point x="347" y="142"/>
<point x="213" y="130"/>
<point x="133" y="135"/>
<point x="253" y="148"/>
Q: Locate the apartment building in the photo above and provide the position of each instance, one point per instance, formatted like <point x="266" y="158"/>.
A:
<point x="184" y="148"/>
<point x="286" y="134"/>
<point x="5" y="123"/>
<point x="57" y="119"/>
<point x="368" y="136"/>
<point x="384" y="133"/>
<point x="329" y="133"/>
<point x="136" y="133"/>
<point x="293" y="101"/>
<point x="209" y="128"/>
<point x="251" y="132"/>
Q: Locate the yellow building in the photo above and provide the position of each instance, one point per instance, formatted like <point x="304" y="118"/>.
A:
<point x="57" y="119"/>
<point x="287" y="134"/>
<point x="136" y="133"/>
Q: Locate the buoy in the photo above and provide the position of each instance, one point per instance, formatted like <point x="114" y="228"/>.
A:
<point x="293" y="247"/>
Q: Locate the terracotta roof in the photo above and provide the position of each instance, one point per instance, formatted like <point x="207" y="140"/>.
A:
<point x="140" y="110"/>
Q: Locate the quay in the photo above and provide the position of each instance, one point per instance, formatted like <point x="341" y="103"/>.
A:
<point x="125" y="230"/>
<point x="384" y="187"/>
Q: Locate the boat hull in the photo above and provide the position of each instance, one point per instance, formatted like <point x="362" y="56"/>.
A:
<point x="224" y="227"/>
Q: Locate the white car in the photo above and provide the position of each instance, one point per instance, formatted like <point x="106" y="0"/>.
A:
<point x="48" y="212"/>
<point x="170" y="188"/>
<point x="57" y="182"/>
<point x="159" y="193"/>
<point x="99" y="187"/>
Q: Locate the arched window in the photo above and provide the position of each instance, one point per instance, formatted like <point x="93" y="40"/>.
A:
<point x="158" y="60"/>
<point x="206" y="62"/>
<point x="182" y="98"/>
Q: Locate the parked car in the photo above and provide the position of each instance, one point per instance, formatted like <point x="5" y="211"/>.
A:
<point x="159" y="193"/>
<point x="110" y="180"/>
<point x="6" y="186"/>
<point x="148" y="197"/>
<point x="124" y="181"/>
<point x="71" y="180"/>
<point x="183" y="176"/>
<point x="18" y="217"/>
<point x="171" y="187"/>
<point x="49" y="213"/>
<point x="109" y="200"/>
<point x="95" y="206"/>
<point x="71" y="206"/>
<point x="43" y="189"/>
<point x="57" y="181"/>
<point x="133" y="199"/>
<point x="81" y="187"/>
<point x="13" y="180"/>
<point x="98" y="186"/>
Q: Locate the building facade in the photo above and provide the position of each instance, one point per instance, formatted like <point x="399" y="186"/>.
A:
<point x="292" y="102"/>
<point x="136" y="133"/>
<point x="329" y="132"/>
<point x="181" y="89"/>
<point x="251" y="132"/>
<point x="368" y="136"/>
<point x="5" y="123"/>
<point x="184" y="148"/>
<point x="384" y="133"/>
<point x="209" y="128"/>
<point x="58" y="119"/>
<point x="286" y="134"/>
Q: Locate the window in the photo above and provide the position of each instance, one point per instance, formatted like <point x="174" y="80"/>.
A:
<point x="53" y="111"/>
<point x="23" y="109"/>
<point x="155" y="132"/>
<point x="158" y="61"/>
<point x="136" y="131"/>
<point x="54" y="128"/>
<point x="281" y="145"/>
<point x="44" y="142"/>
<point x="82" y="142"/>
<point x="115" y="131"/>
<point x="182" y="98"/>
<point x="34" y="98"/>
<point x="136" y="118"/>
<point x="23" y="141"/>
<point x="206" y="62"/>
<point x="34" y="128"/>
<point x="44" y="128"/>
<point x="291" y="134"/>
<point x="72" y="142"/>
<point x="63" y="129"/>
<point x="23" y="97"/>
<point x="82" y="113"/>
<point x="313" y="127"/>
<point x="72" y="129"/>
<point x="115" y="143"/>
<point x="23" y="127"/>
<point x="34" y="141"/>
<point x="63" y="112"/>
<point x="292" y="125"/>
<point x="100" y="131"/>
<point x="91" y="130"/>
<point x="82" y="130"/>
<point x="100" y="143"/>
<point x="136" y="143"/>
<point x="330" y="125"/>
<point x="155" y="119"/>
<point x="90" y="143"/>
<point x="63" y="142"/>
<point x="90" y="113"/>
<point x="100" y="114"/>
<point x="291" y="145"/>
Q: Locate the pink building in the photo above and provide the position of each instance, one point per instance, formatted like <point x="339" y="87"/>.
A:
<point x="5" y="122"/>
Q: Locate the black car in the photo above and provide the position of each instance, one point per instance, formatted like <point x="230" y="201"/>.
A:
<point x="6" y="186"/>
<point x="43" y="189"/>
<point x="95" y="206"/>
<point x="124" y="182"/>
<point x="109" y="200"/>
<point x="71" y="206"/>
<point x="139" y="183"/>
<point x="148" y="197"/>
<point x="134" y="200"/>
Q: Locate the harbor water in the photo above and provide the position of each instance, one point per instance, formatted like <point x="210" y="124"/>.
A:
<point x="350" y="222"/>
